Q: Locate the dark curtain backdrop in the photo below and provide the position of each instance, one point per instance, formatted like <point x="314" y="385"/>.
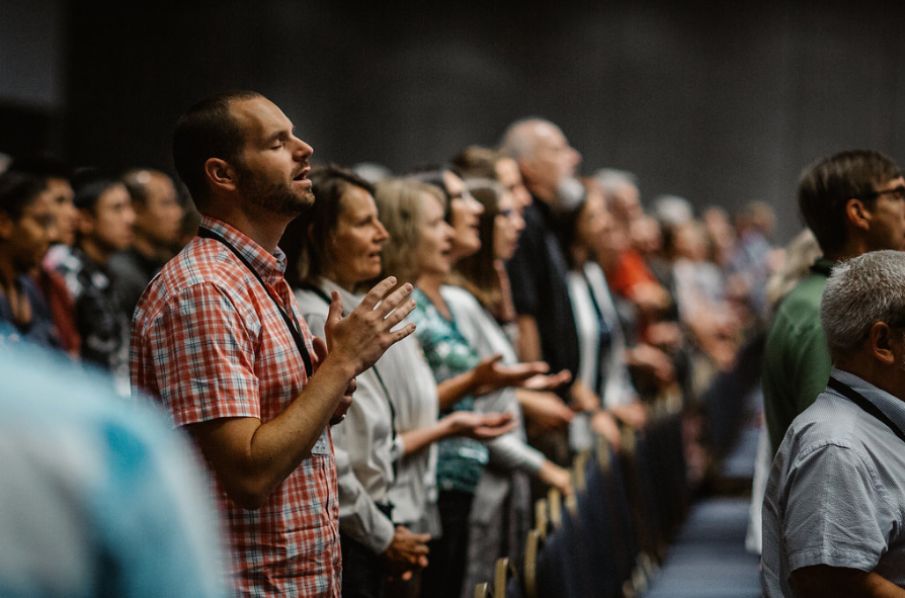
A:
<point x="718" y="102"/>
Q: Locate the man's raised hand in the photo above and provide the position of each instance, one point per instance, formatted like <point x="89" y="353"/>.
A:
<point x="363" y="336"/>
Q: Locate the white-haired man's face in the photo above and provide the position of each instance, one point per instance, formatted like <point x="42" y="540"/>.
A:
<point x="551" y="160"/>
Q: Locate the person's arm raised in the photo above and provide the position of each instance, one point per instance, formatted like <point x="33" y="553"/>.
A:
<point x="251" y="457"/>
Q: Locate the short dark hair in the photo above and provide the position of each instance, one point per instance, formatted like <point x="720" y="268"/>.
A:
<point x="18" y="190"/>
<point x="826" y="185"/>
<point x="305" y="239"/>
<point x="89" y="185"/>
<point x="207" y="130"/>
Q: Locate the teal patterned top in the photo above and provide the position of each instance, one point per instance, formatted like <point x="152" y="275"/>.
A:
<point x="460" y="461"/>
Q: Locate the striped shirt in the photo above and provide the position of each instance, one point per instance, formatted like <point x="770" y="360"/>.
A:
<point x="208" y="341"/>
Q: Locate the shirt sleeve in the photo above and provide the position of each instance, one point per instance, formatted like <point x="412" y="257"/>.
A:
<point x="836" y="513"/>
<point x="509" y="451"/>
<point x="359" y="516"/>
<point x="204" y="353"/>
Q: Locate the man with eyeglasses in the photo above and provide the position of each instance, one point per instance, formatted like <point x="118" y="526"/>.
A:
<point x="853" y="202"/>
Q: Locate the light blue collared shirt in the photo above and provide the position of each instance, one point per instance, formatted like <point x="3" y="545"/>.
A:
<point x="836" y="492"/>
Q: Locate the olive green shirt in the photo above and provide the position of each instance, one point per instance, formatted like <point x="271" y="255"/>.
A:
<point x="797" y="360"/>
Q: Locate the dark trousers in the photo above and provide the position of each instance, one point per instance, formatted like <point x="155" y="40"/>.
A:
<point x="363" y="571"/>
<point x="443" y="576"/>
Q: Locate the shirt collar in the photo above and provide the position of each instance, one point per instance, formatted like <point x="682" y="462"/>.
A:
<point x="271" y="266"/>
<point x="823" y="266"/>
<point x="892" y="407"/>
<point x="350" y="300"/>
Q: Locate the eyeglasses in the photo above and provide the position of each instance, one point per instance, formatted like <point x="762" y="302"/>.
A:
<point x="898" y="193"/>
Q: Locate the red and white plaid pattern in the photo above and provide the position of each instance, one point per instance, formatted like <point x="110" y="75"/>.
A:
<point x="208" y="341"/>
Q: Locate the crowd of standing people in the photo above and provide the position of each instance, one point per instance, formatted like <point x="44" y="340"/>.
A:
<point x="379" y="374"/>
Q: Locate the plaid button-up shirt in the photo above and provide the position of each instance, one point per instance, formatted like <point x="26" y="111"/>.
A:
<point x="208" y="341"/>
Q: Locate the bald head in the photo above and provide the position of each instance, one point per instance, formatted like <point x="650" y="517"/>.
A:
<point x="543" y="154"/>
<point x="522" y="137"/>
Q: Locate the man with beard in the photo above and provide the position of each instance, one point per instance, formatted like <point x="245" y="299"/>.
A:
<point x="538" y="270"/>
<point x="218" y="338"/>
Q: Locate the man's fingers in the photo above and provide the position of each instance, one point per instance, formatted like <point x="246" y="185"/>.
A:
<point x="320" y="349"/>
<point x="335" y="311"/>
<point x="395" y="299"/>
<point x="377" y="292"/>
<point x="399" y="314"/>
<point x="403" y="332"/>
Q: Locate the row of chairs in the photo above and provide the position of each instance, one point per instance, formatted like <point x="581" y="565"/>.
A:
<point x="607" y="539"/>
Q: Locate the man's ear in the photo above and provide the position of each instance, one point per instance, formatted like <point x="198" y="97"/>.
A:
<point x="6" y="226"/>
<point x="857" y="214"/>
<point x="527" y="168"/>
<point x="85" y="222"/>
<point x="220" y="174"/>
<point x="881" y="342"/>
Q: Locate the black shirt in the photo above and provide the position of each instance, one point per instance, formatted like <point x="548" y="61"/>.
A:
<point x="537" y="273"/>
<point x="132" y="272"/>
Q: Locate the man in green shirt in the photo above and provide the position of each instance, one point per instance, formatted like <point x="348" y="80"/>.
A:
<point x="853" y="202"/>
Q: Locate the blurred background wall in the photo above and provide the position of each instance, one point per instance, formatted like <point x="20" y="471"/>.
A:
<point x="718" y="102"/>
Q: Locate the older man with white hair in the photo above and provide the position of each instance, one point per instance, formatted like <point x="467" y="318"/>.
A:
<point x="834" y="511"/>
<point x="537" y="271"/>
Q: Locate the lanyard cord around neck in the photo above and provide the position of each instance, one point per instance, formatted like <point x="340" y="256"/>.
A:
<point x="386" y="393"/>
<point x="604" y="334"/>
<point x="206" y="233"/>
<point x="858" y="399"/>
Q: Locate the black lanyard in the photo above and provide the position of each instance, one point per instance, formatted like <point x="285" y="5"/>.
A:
<point x="859" y="400"/>
<point x="206" y="233"/>
<point x="604" y="334"/>
<point x="822" y="266"/>
<point x="386" y="393"/>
